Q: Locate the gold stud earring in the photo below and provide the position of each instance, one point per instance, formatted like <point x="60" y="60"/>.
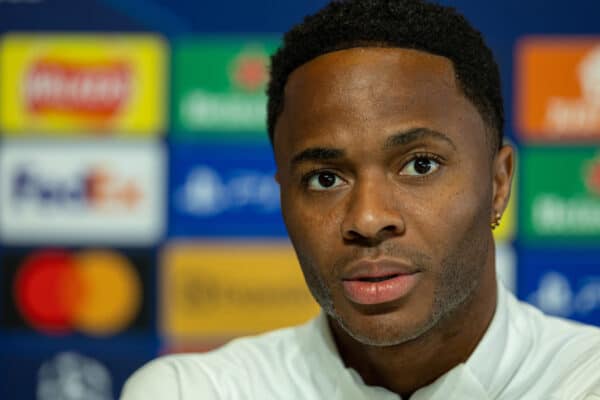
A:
<point x="496" y="222"/>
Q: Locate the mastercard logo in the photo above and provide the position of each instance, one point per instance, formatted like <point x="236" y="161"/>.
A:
<point x="96" y="292"/>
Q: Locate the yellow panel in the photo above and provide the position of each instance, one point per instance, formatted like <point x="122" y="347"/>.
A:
<point x="211" y="290"/>
<point x="77" y="84"/>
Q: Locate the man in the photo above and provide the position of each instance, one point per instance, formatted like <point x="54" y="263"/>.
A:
<point x="386" y="122"/>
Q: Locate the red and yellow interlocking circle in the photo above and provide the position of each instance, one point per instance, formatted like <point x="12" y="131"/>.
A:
<point x="97" y="292"/>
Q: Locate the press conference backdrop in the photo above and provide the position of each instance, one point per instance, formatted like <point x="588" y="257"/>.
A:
<point x="138" y="211"/>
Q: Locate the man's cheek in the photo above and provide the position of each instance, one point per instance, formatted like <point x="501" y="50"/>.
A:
<point x="311" y="217"/>
<point x="467" y="219"/>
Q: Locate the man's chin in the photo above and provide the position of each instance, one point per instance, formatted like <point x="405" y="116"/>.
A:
<point x="382" y="330"/>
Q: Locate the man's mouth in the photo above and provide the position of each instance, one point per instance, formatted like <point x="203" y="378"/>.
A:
<point x="377" y="278"/>
<point x="371" y="282"/>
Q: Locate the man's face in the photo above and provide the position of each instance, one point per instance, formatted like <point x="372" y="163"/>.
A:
<point x="386" y="188"/>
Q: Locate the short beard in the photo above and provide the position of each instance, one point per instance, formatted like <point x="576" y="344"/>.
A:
<point x="458" y="280"/>
<point x="316" y="285"/>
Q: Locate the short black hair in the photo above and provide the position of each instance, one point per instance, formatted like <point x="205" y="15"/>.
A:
<point x="413" y="24"/>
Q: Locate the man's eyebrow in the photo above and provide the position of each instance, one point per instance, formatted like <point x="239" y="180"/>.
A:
<point x="317" y="154"/>
<point x="411" y="135"/>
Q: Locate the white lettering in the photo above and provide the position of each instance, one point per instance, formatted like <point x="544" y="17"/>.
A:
<point x="556" y="215"/>
<point x="206" y="193"/>
<point x="223" y="111"/>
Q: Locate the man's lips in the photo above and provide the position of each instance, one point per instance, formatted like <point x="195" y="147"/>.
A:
<point x="378" y="268"/>
<point x="372" y="282"/>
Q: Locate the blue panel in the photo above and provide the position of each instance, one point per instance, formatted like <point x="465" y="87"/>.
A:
<point x="63" y="15"/>
<point x="226" y="190"/>
<point x="70" y="372"/>
<point x="565" y="283"/>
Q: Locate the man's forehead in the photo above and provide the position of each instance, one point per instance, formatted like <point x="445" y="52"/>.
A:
<point x="370" y="83"/>
<point x="367" y="63"/>
<point x="362" y="83"/>
<point x="373" y="89"/>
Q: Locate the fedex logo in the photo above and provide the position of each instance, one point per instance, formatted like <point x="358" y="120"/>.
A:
<point x="82" y="193"/>
<point x="96" y="188"/>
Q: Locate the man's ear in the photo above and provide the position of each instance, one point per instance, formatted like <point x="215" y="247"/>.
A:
<point x="503" y="171"/>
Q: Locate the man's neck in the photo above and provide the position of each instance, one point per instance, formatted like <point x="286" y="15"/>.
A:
<point x="409" y="366"/>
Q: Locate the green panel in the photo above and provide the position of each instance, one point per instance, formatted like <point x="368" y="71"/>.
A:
<point x="561" y="193"/>
<point x="219" y="87"/>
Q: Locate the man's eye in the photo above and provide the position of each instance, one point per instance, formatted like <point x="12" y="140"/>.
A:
<point x="324" y="181"/>
<point x="421" y="165"/>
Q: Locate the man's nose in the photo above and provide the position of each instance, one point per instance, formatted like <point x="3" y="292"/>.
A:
<point x="373" y="212"/>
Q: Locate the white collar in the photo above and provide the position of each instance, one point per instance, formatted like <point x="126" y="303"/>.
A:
<point x="501" y="351"/>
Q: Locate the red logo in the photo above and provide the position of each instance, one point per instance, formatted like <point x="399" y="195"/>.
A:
<point x="250" y="70"/>
<point x="94" y="90"/>
<point x="93" y="291"/>
<point x="593" y="177"/>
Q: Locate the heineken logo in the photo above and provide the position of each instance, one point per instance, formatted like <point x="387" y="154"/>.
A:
<point x="220" y="86"/>
<point x="250" y="71"/>
<point x="553" y="214"/>
<point x="561" y="195"/>
<point x="592" y="179"/>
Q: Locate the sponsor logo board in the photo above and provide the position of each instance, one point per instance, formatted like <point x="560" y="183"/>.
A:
<point x="81" y="193"/>
<point x="229" y="289"/>
<point x="219" y="86"/>
<point x="224" y="191"/>
<point x="561" y="193"/>
<point x="562" y="286"/>
<point x="82" y="84"/>
<point x="69" y="373"/>
<point x="558" y="88"/>
<point x="97" y="292"/>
